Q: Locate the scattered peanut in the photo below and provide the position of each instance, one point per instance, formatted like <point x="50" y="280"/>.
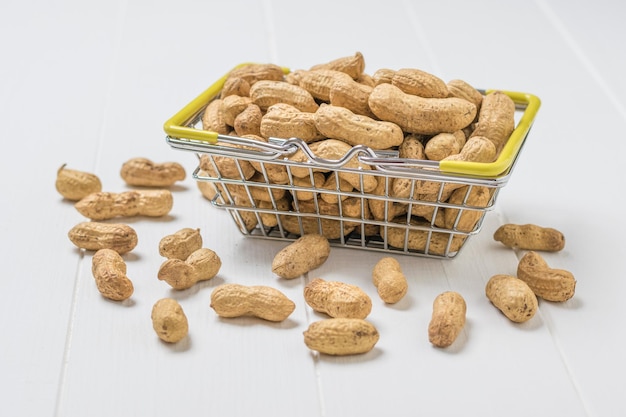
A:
<point x="94" y="236"/>
<point x="180" y="244"/>
<point x="109" y="271"/>
<point x="74" y="185"/>
<point x="448" y="318"/>
<point x="530" y="237"/>
<point x="305" y="254"/>
<point x="512" y="296"/>
<point x="169" y="320"/>
<point x="389" y="280"/>
<point x="145" y="173"/>
<point x="337" y="299"/>
<point x="202" y="265"/>
<point x="550" y="284"/>
<point x="106" y="205"/>
<point x="235" y="300"/>
<point x="341" y="336"/>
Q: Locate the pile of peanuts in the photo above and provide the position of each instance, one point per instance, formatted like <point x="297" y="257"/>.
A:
<point x="333" y="107"/>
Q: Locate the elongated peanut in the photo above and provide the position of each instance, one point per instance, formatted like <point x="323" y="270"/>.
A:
<point x="235" y="86"/>
<point x="254" y="72"/>
<point x="448" y="318"/>
<point x="267" y="303"/>
<point x="181" y="244"/>
<point x="466" y="219"/>
<point x="462" y="89"/>
<point x="496" y="119"/>
<point x="530" y="237"/>
<point x="285" y="121"/>
<point x="415" y="114"/>
<point x="389" y="280"/>
<point x="305" y="254"/>
<point x="169" y="320"/>
<point x="337" y="299"/>
<point x="145" y="173"/>
<point x="351" y="95"/>
<point x="420" y="83"/>
<point x="94" y="236"/>
<point x="213" y="118"/>
<point x="106" y="205"/>
<point x="74" y="185"/>
<point x="203" y="264"/>
<point x="266" y="93"/>
<point x="512" y="296"/>
<point x="341" y="336"/>
<point x="341" y="123"/>
<point x="548" y="283"/>
<point x="109" y="271"/>
<point x="352" y="65"/>
<point x="317" y="82"/>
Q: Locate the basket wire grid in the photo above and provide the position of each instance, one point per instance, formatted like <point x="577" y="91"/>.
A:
<point x="428" y="224"/>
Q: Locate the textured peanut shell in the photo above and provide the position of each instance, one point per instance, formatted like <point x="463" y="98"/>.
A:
<point x="466" y="219"/>
<point x="443" y="145"/>
<point x="95" y="235"/>
<point x="143" y="172"/>
<point x="248" y="122"/>
<point x="353" y="65"/>
<point x="254" y="72"/>
<point x="418" y="239"/>
<point x="317" y="82"/>
<point x="267" y="303"/>
<point x="496" y="119"/>
<point x="389" y="280"/>
<point x="550" y="284"/>
<point x="414" y="114"/>
<point x="74" y="185"/>
<point x="383" y="75"/>
<point x="305" y="254"/>
<point x="330" y="229"/>
<point x="530" y="237"/>
<point x="109" y="271"/>
<point x="462" y="89"/>
<point x="341" y="336"/>
<point x="180" y="244"/>
<point x="337" y="299"/>
<point x="419" y="83"/>
<point x="476" y="149"/>
<point x="447" y="320"/>
<point x="233" y="105"/>
<point x="106" y="205"/>
<point x="285" y="121"/>
<point x="267" y="93"/>
<point x="351" y="95"/>
<point x="512" y="296"/>
<point x="235" y="86"/>
<point x="213" y="118"/>
<point x="203" y="264"/>
<point x="169" y="320"/>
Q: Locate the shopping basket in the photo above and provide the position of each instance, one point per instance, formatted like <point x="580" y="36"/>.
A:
<point x="429" y="224"/>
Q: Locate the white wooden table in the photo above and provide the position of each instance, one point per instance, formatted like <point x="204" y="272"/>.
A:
<point x="91" y="83"/>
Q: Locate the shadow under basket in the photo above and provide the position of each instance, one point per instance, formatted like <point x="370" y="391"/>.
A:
<point x="272" y="195"/>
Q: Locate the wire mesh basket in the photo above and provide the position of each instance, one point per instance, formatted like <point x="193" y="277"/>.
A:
<point x="353" y="200"/>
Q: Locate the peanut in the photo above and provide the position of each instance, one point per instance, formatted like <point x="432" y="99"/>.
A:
<point x="266" y="93"/>
<point x="169" y="320"/>
<point x="341" y="123"/>
<point x="248" y="122"/>
<point x="443" y="145"/>
<point x="235" y="86"/>
<point x="213" y="118"/>
<point x="235" y="300"/>
<point x="233" y="105"/>
<point x="351" y="65"/>
<point x="337" y="299"/>
<point x="448" y="318"/>
<point x="203" y="264"/>
<point x="496" y="119"/>
<point x="341" y="336"/>
<point x="512" y="296"/>
<point x="414" y="114"/>
<point x="109" y="271"/>
<point x="383" y="75"/>
<point x="330" y="229"/>
<point x="305" y="254"/>
<point x="94" y="236"/>
<point x="352" y="95"/>
<point x="435" y="243"/>
<point x="315" y="180"/>
<point x="74" y="185"/>
<point x="476" y="149"/>
<point x="180" y="244"/>
<point x="106" y="205"/>
<point x="462" y="89"/>
<point x="389" y="280"/>
<point x="465" y="220"/>
<point x="419" y="83"/>
<point x="254" y="72"/>
<point x="550" y="284"/>
<point x="285" y="121"/>
<point x="145" y="173"/>
<point x="317" y="82"/>
<point x="530" y="237"/>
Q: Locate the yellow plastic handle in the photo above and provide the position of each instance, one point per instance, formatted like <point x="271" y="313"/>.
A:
<point x="511" y="148"/>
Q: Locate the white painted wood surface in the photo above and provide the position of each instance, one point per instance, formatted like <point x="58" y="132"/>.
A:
<point x="91" y="83"/>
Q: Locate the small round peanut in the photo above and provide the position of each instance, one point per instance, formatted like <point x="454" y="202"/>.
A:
<point x="341" y="336"/>
<point x="106" y="205"/>
<point x="337" y="299"/>
<point x="235" y="300"/>
<point x="109" y="271"/>
<point x="512" y="296"/>
<point x="180" y="244"/>
<point x="95" y="235"/>
<point x="202" y="265"/>
<point x="389" y="280"/>
<point x="143" y="172"/>
<point x="169" y="320"/>
<point x="74" y="185"/>
<point x="448" y="318"/>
